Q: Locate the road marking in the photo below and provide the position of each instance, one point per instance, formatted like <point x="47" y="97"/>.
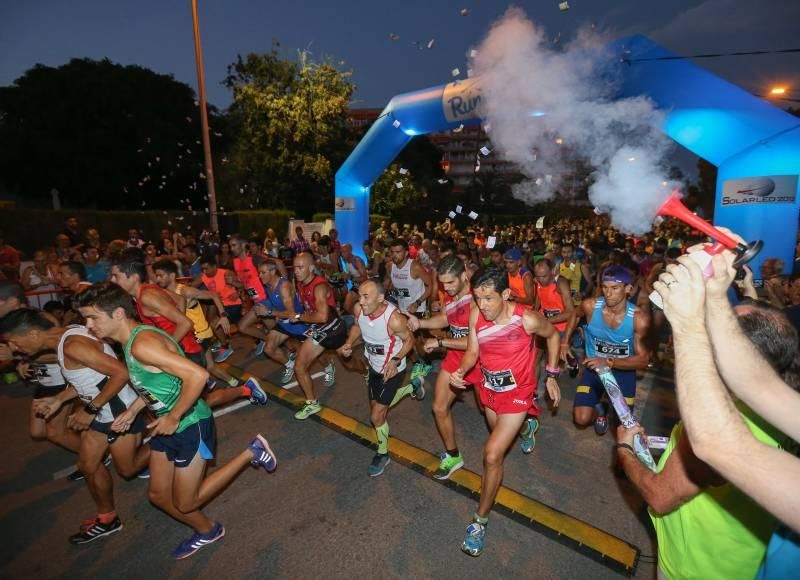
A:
<point x="593" y="542"/>
<point x="62" y="473"/>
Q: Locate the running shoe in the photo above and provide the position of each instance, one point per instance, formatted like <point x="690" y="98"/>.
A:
<point x="288" y="370"/>
<point x="330" y="375"/>
<point x="216" y="348"/>
<point x="76" y="475"/>
<point x="420" y="369"/>
<point x="419" y="389"/>
<point x="189" y="546"/>
<point x="573" y="366"/>
<point x="257" y="394"/>
<point x="263" y="455"/>
<point x="94" y="531"/>
<point x="448" y="466"/>
<point x="601" y="424"/>
<point x="260" y="346"/>
<point x="223" y="355"/>
<point x="378" y="465"/>
<point x="308" y="409"/>
<point x="528" y="434"/>
<point x="144" y="474"/>
<point x="473" y="540"/>
<point x="211" y="383"/>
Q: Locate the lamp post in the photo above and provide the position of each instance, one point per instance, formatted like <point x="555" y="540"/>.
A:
<point x="201" y="89"/>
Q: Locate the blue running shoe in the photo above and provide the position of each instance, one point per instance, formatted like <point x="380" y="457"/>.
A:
<point x="528" y="434"/>
<point x="198" y="541"/>
<point x="223" y="355"/>
<point x="263" y="455"/>
<point x="473" y="541"/>
<point x="257" y="394"/>
<point x="260" y="348"/>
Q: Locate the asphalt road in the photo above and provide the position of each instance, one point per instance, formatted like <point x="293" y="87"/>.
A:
<point x="320" y="514"/>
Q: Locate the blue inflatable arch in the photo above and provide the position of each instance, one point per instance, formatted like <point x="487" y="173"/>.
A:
<point x="744" y="136"/>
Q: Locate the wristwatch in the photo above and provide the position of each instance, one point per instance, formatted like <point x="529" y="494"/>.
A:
<point x="91" y="408"/>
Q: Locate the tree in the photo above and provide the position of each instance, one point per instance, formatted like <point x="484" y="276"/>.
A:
<point x="291" y="124"/>
<point x="104" y="135"/>
<point x="387" y="198"/>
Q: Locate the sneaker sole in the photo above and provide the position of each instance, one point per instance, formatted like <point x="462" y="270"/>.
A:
<point x="219" y="537"/>
<point x="103" y="535"/>
<point x="469" y="552"/>
<point x="449" y="473"/>
<point x="388" y="461"/>
<point x="266" y="446"/>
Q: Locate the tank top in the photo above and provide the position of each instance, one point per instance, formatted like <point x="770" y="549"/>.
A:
<point x="248" y="274"/>
<point x="188" y="342"/>
<point x="306" y="294"/>
<point x="406" y="288"/>
<point x="507" y="353"/>
<point x="550" y="302"/>
<point x="275" y="301"/>
<point x="88" y="382"/>
<point x="573" y="275"/>
<point x="457" y="311"/>
<point x="608" y="342"/>
<point x="161" y="390"/>
<point x="517" y="285"/>
<point x="194" y="312"/>
<point x="379" y="346"/>
<point x="693" y="537"/>
<point x="352" y="270"/>
<point x="228" y="295"/>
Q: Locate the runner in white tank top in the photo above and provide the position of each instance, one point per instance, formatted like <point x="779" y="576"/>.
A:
<point x="409" y="280"/>
<point x="379" y="345"/>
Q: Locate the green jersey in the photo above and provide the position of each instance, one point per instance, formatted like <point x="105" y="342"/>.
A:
<point x="161" y="390"/>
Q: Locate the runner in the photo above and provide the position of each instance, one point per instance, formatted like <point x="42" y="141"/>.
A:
<point x="387" y="341"/>
<point x="109" y="417"/>
<point x="355" y="274"/>
<point x="222" y="282"/>
<point x="458" y="304"/>
<point x="503" y="335"/>
<point x="615" y="337"/>
<point x="327" y="330"/>
<point x="183" y="435"/>
<point x="520" y="280"/>
<point x="246" y="268"/>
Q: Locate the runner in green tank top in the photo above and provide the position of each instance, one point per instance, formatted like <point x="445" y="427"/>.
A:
<point x="183" y="437"/>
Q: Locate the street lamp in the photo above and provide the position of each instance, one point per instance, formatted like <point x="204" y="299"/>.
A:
<point x="778" y="91"/>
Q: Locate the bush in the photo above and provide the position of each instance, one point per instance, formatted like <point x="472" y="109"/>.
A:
<point x="260" y="220"/>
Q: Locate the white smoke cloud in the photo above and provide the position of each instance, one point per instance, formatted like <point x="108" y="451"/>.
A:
<point x="547" y="108"/>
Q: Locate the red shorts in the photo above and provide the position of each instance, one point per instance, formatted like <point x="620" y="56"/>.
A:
<point x="516" y="400"/>
<point x="452" y="361"/>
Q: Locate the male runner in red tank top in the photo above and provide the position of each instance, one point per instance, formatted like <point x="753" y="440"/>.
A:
<point x="458" y="304"/>
<point x="502" y="334"/>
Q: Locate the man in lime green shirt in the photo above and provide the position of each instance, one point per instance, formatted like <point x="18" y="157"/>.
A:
<point x="183" y="437"/>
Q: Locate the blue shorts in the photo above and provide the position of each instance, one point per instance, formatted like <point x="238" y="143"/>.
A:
<point x="590" y="388"/>
<point x="182" y="447"/>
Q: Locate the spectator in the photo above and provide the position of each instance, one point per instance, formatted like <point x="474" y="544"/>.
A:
<point x="9" y="261"/>
<point x="71" y="230"/>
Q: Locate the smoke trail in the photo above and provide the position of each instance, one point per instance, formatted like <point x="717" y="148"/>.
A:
<point x="547" y="108"/>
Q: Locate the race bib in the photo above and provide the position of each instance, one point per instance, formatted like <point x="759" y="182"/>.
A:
<point x="376" y="349"/>
<point x="550" y="313"/>
<point x="611" y="349"/>
<point x="499" y="381"/>
<point x="402" y="293"/>
<point x="459" y="331"/>
<point x="252" y="293"/>
<point x="156" y="406"/>
<point x="316" y="334"/>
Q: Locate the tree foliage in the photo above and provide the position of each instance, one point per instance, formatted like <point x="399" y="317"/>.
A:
<point x="104" y="135"/>
<point x="290" y="120"/>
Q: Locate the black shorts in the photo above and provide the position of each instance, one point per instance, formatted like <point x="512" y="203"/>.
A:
<point x="330" y="335"/>
<point x="182" y="447"/>
<point x="138" y="426"/>
<point x="383" y="392"/>
<point x="42" y="392"/>
<point x="234" y="313"/>
<point x="198" y="358"/>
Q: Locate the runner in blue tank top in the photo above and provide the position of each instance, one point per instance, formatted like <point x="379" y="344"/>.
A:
<point x="615" y="337"/>
<point x="280" y="293"/>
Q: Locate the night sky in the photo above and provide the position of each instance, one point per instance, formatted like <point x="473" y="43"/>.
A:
<point x="157" y="34"/>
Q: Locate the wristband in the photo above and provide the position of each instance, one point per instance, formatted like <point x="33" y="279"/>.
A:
<point x="624" y="446"/>
<point x="396" y="359"/>
<point x="91" y="408"/>
<point x="552" y="372"/>
<point x="224" y="313"/>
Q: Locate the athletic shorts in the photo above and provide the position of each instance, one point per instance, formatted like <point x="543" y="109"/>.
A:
<point x="452" y="361"/>
<point x="297" y="336"/>
<point x="234" y="313"/>
<point x="42" y="392"/>
<point x="198" y="358"/>
<point x="590" y="388"/>
<point x="383" y="392"/>
<point x="517" y="400"/>
<point x="330" y="335"/>
<point x="182" y="447"/>
<point x="139" y="424"/>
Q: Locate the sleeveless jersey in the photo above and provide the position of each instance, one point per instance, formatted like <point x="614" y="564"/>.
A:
<point x="194" y="312"/>
<point x="605" y="342"/>
<point x="88" y="382"/>
<point x="406" y="288"/>
<point x="352" y="271"/>
<point x="457" y="311"/>
<point x="188" y="342"/>
<point x="517" y="285"/>
<point x="248" y="274"/>
<point x="228" y="295"/>
<point x="161" y="390"/>
<point x="275" y="302"/>
<point x="507" y="353"/>
<point x="573" y="275"/>
<point x="550" y="302"/>
<point x="306" y="294"/>
<point x="379" y="346"/>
